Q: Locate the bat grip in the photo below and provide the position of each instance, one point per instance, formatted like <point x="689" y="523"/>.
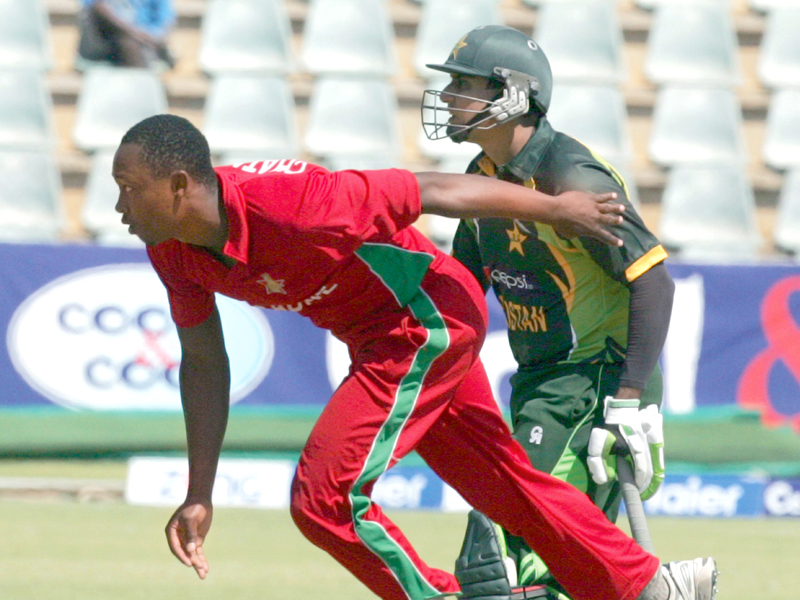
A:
<point x="633" y="505"/>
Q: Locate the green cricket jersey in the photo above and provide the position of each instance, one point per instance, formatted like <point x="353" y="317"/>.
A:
<point x="565" y="300"/>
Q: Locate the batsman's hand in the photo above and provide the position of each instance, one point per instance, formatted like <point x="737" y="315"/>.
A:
<point x="186" y="532"/>
<point x="584" y="214"/>
<point x="637" y="433"/>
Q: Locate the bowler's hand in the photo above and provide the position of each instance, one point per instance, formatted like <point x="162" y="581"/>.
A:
<point x="583" y="214"/>
<point x="186" y="531"/>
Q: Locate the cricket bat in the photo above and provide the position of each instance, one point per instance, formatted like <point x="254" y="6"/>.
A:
<point x="633" y="505"/>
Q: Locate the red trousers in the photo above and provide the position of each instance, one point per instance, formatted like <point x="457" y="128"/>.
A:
<point x="417" y="383"/>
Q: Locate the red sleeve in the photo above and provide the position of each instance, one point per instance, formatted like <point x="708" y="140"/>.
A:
<point x="190" y="304"/>
<point x="369" y="205"/>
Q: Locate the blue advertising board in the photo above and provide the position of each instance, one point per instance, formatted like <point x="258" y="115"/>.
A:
<point x="88" y="327"/>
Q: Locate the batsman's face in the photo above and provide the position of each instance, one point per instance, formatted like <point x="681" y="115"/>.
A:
<point x="146" y="203"/>
<point x="467" y="96"/>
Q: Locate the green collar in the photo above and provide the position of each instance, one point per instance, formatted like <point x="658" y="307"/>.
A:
<point x="524" y="165"/>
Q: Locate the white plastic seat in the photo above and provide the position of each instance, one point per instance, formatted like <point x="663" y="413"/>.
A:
<point x="455" y="164"/>
<point x="650" y="4"/>
<point x="541" y="3"/>
<point x="341" y="162"/>
<point x="693" y="43"/>
<point x="111" y="101"/>
<point x="787" y="222"/>
<point x="596" y="115"/>
<point x="353" y="116"/>
<point x="582" y="40"/>
<point x="444" y="22"/>
<point x="709" y="213"/>
<point x="31" y="207"/>
<point x="769" y="5"/>
<point x="25" y="41"/>
<point x="98" y="215"/>
<point x="779" y="53"/>
<point x="441" y="231"/>
<point x="252" y="114"/>
<point x="246" y="36"/>
<point x="26" y="111"/>
<point x="697" y="125"/>
<point x="349" y="36"/>
<point x="781" y="149"/>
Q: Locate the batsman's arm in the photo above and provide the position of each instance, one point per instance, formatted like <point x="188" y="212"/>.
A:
<point x="572" y="214"/>
<point x="651" y="296"/>
<point x="205" y="394"/>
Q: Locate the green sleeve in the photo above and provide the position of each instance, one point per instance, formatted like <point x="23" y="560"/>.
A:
<point x="639" y="244"/>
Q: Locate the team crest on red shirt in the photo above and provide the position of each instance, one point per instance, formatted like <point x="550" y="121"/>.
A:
<point x="273" y="286"/>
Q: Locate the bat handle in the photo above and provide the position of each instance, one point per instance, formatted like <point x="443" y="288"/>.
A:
<point x="633" y="505"/>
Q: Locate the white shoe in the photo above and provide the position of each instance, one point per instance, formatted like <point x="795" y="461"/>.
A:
<point x="691" y="579"/>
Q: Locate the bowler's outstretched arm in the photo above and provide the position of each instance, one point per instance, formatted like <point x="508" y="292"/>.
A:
<point x="205" y="394"/>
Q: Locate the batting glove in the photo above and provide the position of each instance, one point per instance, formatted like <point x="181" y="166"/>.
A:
<point x="653" y="427"/>
<point x="641" y="435"/>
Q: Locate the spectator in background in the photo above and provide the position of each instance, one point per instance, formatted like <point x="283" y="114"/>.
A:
<point x="126" y="33"/>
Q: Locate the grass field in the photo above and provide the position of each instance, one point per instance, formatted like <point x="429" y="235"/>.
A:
<point x="112" y="551"/>
<point x="67" y="550"/>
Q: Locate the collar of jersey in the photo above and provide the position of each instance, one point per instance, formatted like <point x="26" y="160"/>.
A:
<point x="237" y="245"/>
<point x="524" y="165"/>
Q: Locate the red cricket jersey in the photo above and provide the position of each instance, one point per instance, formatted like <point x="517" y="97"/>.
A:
<point x="294" y="229"/>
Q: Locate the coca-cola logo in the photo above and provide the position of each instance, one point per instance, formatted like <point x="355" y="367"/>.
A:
<point x="103" y="339"/>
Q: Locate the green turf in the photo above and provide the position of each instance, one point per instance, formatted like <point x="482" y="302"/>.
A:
<point x="719" y="439"/>
<point x="57" y="432"/>
<point x="57" y="468"/>
<point x="111" y="551"/>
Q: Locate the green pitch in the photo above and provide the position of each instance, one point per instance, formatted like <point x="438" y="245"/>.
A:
<point x="104" y="551"/>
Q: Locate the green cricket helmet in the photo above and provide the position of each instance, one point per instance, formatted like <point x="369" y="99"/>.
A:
<point x="504" y="55"/>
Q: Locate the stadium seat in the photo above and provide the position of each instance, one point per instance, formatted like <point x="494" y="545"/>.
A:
<point x="26" y="111"/>
<point x="25" y="41"/>
<point x="97" y="215"/>
<point x="456" y="164"/>
<point x="582" y="40"/>
<point x="781" y="149"/>
<point x="540" y="3"/>
<point x="441" y="231"/>
<point x="113" y="99"/>
<point x="693" y="43"/>
<point x="596" y="115"/>
<point x="349" y="36"/>
<point x="31" y="209"/>
<point x="787" y="221"/>
<point x="779" y="52"/>
<point x="651" y="4"/>
<point x="442" y="23"/>
<point x="709" y="213"/>
<point x="252" y="36"/>
<point x="340" y="162"/>
<point x="353" y="116"/>
<point x="768" y="5"/>
<point x="697" y="125"/>
<point x="253" y="114"/>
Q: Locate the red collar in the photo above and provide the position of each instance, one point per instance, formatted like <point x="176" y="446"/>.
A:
<point x="238" y="242"/>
